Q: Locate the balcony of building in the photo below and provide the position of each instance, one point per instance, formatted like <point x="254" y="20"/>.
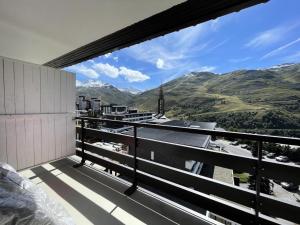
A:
<point x="167" y="194"/>
<point x="37" y="124"/>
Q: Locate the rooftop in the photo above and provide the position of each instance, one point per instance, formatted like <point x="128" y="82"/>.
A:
<point x="191" y="139"/>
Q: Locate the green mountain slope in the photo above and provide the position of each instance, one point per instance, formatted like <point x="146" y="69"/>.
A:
<point x="266" y="100"/>
<point x="251" y="100"/>
<point x="107" y="93"/>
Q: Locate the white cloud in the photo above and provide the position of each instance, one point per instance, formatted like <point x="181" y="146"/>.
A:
<point x="217" y="45"/>
<point x="271" y="36"/>
<point x="265" y="38"/>
<point x="160" y="63"/>
<point x="215" y="24"/>
<point x="85" y="71"/>
<point x="292" y="58"/>
<point x="114" y="72"/>
<point x="116" y="58"/>
<point x="173" y="48"/>
<point x="207" y="68"/>
<point x="133" y="75"/>
<point x="89" y="83"/>
<point x="238" y="60"/>
<point x="106" y="69"/>
<point x="281" y="48"/>
<point x="107" y="55"/>
<point x="78" y="83"/>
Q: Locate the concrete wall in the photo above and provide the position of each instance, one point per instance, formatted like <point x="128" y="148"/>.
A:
<point x="36" y="110"/>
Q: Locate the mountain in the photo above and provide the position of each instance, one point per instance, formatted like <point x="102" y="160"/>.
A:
<point x="131" y="90"/>
<point x="106" y="92"/>
<point x="262" y="100"/>
<point x="251" y="100"/>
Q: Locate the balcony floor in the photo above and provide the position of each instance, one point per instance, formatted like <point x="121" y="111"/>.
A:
<point x="91" y="196"/>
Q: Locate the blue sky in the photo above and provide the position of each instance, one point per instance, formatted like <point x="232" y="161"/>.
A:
<point x="257" y="37"/>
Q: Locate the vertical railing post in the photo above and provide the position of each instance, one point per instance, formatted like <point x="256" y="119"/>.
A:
<point x="258" y="181"/>
<point x="82" y="137"/>
<point x="133" y="187"/>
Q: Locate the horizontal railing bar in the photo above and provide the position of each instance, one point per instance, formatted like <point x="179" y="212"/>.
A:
<point x="245" y="164"/>
<point x="269" y="204"/>
<point x="216" y="133"/>
<point x="218" y="206"/>
<point x="201" y="183"/>
<point x="280" y="171"/>
<point x="223" y="159"/>
<point x="271" y="170"/>
<point x="107" y="136"/>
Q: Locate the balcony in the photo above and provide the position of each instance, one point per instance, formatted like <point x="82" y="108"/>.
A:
<point x="109" y="187"/>
<point x="92" y="196"/>
<point x="164" y="192"/>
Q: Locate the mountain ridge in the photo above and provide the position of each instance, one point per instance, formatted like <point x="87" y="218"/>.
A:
<point x="264" y="98"/>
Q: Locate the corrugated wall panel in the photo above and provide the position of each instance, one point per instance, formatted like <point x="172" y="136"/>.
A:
<point x="21" y="143"/>
<point x="63" y="89"/>
<point x="19" y="88"/>
<point x="51" y="90"/>
<point x="28" y="89"/>
<point x="36" y="110"/>
<point x="29" y="142"/>
<point x="37" y="140"/>
<point x="57" y="96"/>
<point x="36" y="89"/>
<point x="9" y="87"/>
<point x="3" y="154"/>
<point x="51" y="137"/>
<point x="2" y="108"/>
<point x="11" y="141"/>
<point x="44" y="90"/>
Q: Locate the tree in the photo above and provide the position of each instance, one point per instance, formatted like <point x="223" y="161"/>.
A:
<point x="266" y="186"/>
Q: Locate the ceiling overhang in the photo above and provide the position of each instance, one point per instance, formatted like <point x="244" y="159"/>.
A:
<point x="39" y="31"/>
<point x="60" y="33"/>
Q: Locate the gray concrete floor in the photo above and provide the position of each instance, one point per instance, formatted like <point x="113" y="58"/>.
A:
<point x="92" y="196"/>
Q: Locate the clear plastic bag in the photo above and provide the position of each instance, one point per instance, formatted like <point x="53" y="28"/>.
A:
<point x="22" y="202"/>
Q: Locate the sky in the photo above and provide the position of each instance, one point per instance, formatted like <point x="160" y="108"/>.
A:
<point x="257" y="37"/>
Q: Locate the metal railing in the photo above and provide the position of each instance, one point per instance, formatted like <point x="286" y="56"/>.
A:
<point x="244" y="206"/>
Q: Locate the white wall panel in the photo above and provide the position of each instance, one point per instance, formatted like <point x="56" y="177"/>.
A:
<point x="35" y="113"/>
<point x="36" y="89"/>
<point x="9" y="87"/>
<point x="28" y="89"/>
<point x="73" y="93"/>
<point x="69" y="92"/>
<point x="37" y="141"/>
<point x="2" y="108"/>
<point x="64" y="136"/>
<point x="57" y="96"/>
<point x="44" y="90"/>
<point x="51" y="137"/>
<point x="70" y="136"/>
<point x="21" y="144"/>
<point x="51" y="90"/>
<point x="63" y="91"/>
<point x="19" y="87"/>
<point x="45" y="138"/>
<point x="3" y="154"/>
<point x="11" y="145"/>
<point x="29" y="142"/>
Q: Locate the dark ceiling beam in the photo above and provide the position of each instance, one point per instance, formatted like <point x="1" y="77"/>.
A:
<point x="178" y="17"/>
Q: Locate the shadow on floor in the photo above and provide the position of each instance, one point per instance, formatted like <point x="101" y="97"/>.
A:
<point x="104" y="186"/>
